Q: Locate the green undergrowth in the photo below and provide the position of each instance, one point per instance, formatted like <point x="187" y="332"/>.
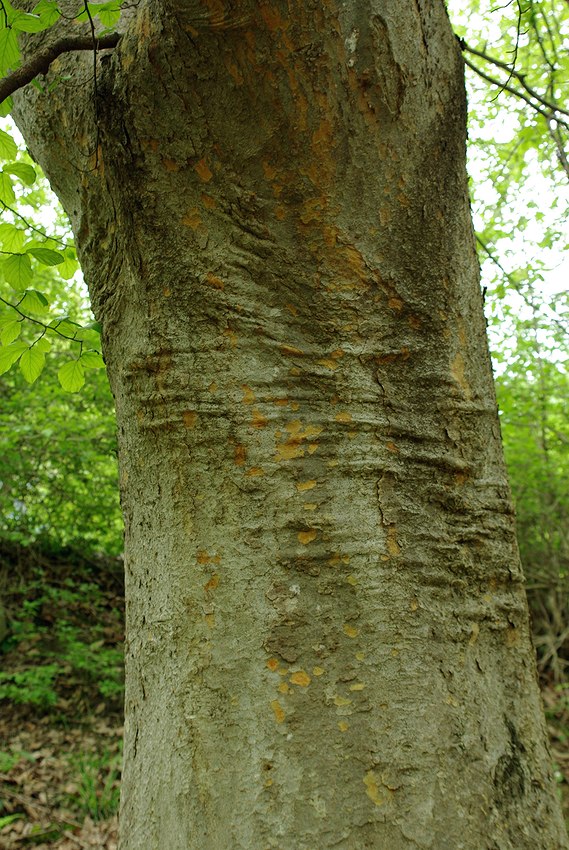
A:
<point x="62" y="651"/>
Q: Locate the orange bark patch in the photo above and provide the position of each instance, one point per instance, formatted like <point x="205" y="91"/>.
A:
<point x="289" y="451"/>
<point x="291" y="447"/>
<point x="291" y="351"/>
<point x="392" y="447"/>
<point x="300" y="678"/>
<point x="212" y="583"/>
<point x="239" y="454"/>
<point x="278" y="711"/>
<point x="269" y="170"/>
<point x="208" y="201"/>
<point x="170" y="164"/>
<point x="457" y="370"/>
<point x="393" y="546"/>
<point x="302" y="486"/>
<point x="273" y="664"/>
<point x="203" y="557"/>
<point x="190" y="418"/>
<point x="203" y="170"/>
<point x="272" y="18"/>
<point x="323" y="135"/>
<point x="192" y="219"/>
<point x="258" y="420"/>
<point x="235" y="72"/>
<point x="328" y="363"/>
<point x="153" y="144"/>
<point x="312" y="431"/>
<point x="306" y="537"/>
<point x="395" y="303"/>
<point x="231" y="336"/>
<point x="255" y="471"/>
<point x="350" y="631"/>
<point x="344" y="417"/>
<point x="214" y="281"/>
<point x="248" y="394"/>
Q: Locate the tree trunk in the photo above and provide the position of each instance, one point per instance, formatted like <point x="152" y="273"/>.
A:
<point x="328" y="640"/>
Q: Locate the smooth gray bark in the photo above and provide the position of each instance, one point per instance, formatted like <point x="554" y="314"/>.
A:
<point x="328" y="640"/>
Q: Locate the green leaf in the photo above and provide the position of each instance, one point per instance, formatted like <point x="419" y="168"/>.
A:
<point x="8" y="147"/>
<point x="9" y="354"/>
<point x="7" y="819"/>
<point x="46" y="256"/>
<point x="34" y="302"/>
<point x="32" y="363"/>
<point x="9" y="52"/>
<point x="10" y="331"/>
<point x="23" y="22"/>
<point x="71" y="376"/>
<point x="6" y="189"/>
<point x="42" y="344"/>
<point x="69" y="266"/>
<point x="92" y="360"/>
<point x="65" y="326"/>
<point x="109" y="18"/>
<point x="11" y="237"/>
<point x="6" y="107"/>
<point x="48" y="11"/>
<point x="23" y="171"/>
<point x="18" y="271"/>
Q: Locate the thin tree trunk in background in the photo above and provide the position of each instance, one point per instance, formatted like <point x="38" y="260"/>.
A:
<point x="328" y="640"/>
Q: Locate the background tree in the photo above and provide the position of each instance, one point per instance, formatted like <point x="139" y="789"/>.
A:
<point x="266" y="260"/>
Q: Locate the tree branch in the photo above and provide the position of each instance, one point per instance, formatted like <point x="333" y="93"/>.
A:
<point x="548" y="104"/>
<point x="40" y="62"/>
<point x="545" y="114"/>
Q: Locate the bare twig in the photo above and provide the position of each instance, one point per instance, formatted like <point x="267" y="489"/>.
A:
<point x="521" y="78"/>
<point x="543" y="112"/>
<point x="39" y="63"/>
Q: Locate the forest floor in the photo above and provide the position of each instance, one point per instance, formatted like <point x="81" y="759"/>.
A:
<point x="61" y="732"/>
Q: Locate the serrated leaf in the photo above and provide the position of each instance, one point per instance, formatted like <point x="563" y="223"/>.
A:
<point x="10" y="331"/>
<point x="18" y="271"/>
<point x="11" y="237"/>
<point x="9" y="51"/>
<point x="92" y="360"/>
<point x="6" y="189"/>
<point x="9" y="354"/>
<point x="32" y="363"/>
<point x="71" y="376"/>
<point x="46" y="256"/>
<point x="23" y="171"/>
<point x="34" y="302"/>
